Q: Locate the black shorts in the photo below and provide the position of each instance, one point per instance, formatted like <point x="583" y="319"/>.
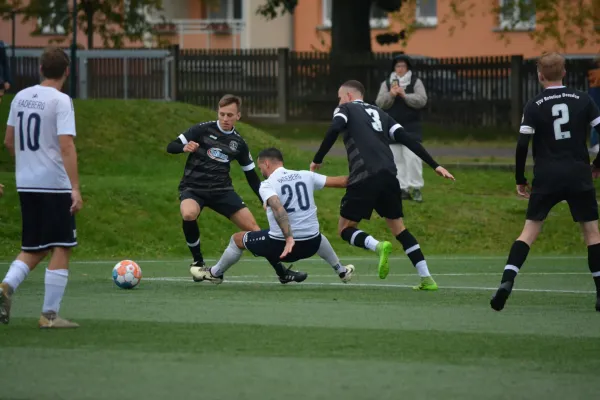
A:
<point x="225" y="203"/>
<point x="379" y="192"/>
<point x="583" y="205"/>
<point x="261" y="244"/>
<point x="47" y="221"/>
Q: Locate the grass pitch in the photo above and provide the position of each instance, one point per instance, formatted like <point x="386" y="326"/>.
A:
<point x="252" y="338"/>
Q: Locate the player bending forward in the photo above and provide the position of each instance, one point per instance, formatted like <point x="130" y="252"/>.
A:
<point x="372" y="184"/>
<point x="293" y="225"/>
<point x="558" y="119"/>
<point x="40" y="133"/>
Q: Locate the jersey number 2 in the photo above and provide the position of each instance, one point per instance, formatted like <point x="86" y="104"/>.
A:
<point x="301" y="192"/>
<point x="33" y="131"/>
<point x="376" y="120"/>
<point x="562" y="112"/>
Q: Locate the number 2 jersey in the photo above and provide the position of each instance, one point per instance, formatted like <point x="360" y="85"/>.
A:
<point x="559" y="120"/>
<point x="295" y="190"/>
<point x="40" y="114"/>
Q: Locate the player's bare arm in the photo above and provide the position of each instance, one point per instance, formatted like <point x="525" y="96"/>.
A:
<point x="69" y="156"/>
<point x="523" y="188"/>
<point x="398" y="134"/>
<point x="336" y="182"/>
<point x="283" y="221"/>
<point x="337" y="126"/>
<point x="9" y="139"/>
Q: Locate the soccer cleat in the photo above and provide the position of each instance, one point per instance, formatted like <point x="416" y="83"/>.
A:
<point x="200" y="274"/>
<point x="417" y="196"/>
<point x="5" y="293"/>
<point x="427" y="283"/>
<point x="499" y="299"/>
<point x="50" y="320"/>
<point x="405" y="194"/>
<point x="198" y="264"/>
<point x="347" y="276"/>
<point x="383" y="251"/>
<point x="293" y="276"/>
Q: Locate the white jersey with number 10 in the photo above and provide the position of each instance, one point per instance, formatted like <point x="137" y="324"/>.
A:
<point x="39" y="115"/>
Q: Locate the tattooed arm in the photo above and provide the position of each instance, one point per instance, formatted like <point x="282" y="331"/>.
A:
<point x="283" y="221"/>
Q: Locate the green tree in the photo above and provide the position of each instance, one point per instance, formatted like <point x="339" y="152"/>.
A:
<point x="113" y="20"/>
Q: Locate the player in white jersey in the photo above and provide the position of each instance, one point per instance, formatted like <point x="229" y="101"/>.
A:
<point x="40" y="134"/>
<point x="293" y="232"/>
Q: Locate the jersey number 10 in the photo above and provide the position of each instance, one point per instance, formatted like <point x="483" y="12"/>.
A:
<point x="32" y="131"/>
<point x="561" y="111"/>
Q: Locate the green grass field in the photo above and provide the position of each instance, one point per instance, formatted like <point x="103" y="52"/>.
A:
<point x="252" y="338"/>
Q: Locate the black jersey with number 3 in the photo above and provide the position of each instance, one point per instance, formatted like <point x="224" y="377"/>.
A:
<point x="559" y="119"/>
<point x="366" y="139"/>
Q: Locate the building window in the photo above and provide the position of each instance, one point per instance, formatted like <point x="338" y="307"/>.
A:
<point x="224" y="9"/>
<point x="379" y="17"/>
<point x="427" y="12"/>
<point x="517" y="14"/>
<point x="54" y="23"/>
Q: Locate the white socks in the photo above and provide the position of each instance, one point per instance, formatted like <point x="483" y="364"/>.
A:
<point x="422" y="269"/>
<point x="371" y="243"/>
<point x="327" y="253"/>
<point x="56" y="283"/>
<point x="231" y="255"/>
<point x="16" y="274"/>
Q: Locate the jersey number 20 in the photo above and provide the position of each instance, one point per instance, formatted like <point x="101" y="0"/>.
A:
<point x="301" y="192"/>
<point x="561" y="111"/>
<point x="32" y="131"/>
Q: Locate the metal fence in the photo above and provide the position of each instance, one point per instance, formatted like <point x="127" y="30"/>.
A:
<point x="282" y="84"/>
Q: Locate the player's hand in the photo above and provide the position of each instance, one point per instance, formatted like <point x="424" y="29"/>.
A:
<point x="191" y="147"/>
<point x="443" y="172"/>
<point x="314" y="167"/>
<point x="76" y="201"/>
<point x="524" y="190"/>
<point x="1" y="190"/>
<point x="595" y="171"/>
<point x="289" y="245"/>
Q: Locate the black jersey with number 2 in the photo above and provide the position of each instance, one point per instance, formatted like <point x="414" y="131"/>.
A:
<point x="208" y="168"/>
<point x="559" y="120"/>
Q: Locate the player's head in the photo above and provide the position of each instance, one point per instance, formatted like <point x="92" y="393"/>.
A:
<point x="54" y="64"/>
<point x="350" y="91"/>
<point x="269" y="160"/>
<point x="551" y="68"/>
<point x="229" y="111"/>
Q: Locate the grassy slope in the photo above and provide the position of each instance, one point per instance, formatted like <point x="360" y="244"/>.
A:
<point x="131" y="209"/>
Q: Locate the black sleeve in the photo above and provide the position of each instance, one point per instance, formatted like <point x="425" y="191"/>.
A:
<point x="521" y="158"/>
<point x="340" y="119"/>
<point x="175" y="147"/>
<point x="399" y="135"/>
<point x="593" y="114"/>
<point x="245" y="158"/>
<point x="191" y="135"/>
<point x="254" y="182"/>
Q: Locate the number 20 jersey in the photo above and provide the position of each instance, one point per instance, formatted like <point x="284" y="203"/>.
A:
<point x="559" y="120"/>
<point x="295" y="190"/>
<point x="39" y="114"/>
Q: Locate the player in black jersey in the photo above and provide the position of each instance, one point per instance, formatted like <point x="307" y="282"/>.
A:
<point x="372" y="183"/>
<point x="558" y="120"/>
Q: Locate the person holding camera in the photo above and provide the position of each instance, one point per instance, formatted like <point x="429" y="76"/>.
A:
<point x="403" y="96"/>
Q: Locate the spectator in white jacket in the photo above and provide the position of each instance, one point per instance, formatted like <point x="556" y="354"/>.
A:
<point x="403" y="96"/>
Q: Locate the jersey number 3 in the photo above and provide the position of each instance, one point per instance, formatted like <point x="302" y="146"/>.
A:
<point x="32" y="131"/>
<point x="561" y="111"/>
<point x="376" y="120"/>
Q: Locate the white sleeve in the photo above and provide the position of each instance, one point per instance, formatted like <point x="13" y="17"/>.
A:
<point x="12" y="115"/>
<point x="318" y="180"/>
<point x="65" y="117"/>
<point x="266" y="191"/>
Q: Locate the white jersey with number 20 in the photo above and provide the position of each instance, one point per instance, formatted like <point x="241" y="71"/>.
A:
<point x="295" y="190"/>
<point x="39" y="115"/>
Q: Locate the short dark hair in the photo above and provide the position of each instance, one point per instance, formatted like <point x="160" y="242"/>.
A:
<point x="356" y="85"/>
<point x="54" y="63"/>
<point x="271" y="153"/>
<point x="230" y="99"/>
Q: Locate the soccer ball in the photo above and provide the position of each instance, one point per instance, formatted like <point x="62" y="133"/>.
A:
<point x="127" y="274"/>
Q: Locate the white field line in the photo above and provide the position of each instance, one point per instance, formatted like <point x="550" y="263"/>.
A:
<point x="362" y="285"/>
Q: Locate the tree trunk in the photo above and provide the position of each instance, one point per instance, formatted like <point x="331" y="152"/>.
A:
<point x="90" y="28"/>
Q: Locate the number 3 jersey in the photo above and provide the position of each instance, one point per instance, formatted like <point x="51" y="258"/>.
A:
<point x="559" y="120"/>
<point x="295" y="190"/>
<point x="39" y="115"/>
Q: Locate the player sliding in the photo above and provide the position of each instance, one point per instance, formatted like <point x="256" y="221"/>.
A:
<point x="293" y="225"/>
<point x="372" y="184"/>
<point x="558" y="120"/>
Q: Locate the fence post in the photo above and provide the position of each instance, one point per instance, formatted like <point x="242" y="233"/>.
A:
<point x="83" y="81"/>
<point x="516" y="92"/>
<point x="282" y="84"/>
<point x="174" y="72"/>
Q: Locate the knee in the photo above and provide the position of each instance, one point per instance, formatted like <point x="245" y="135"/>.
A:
<point x="189" y="214"/>
<point x="237" y="240"/>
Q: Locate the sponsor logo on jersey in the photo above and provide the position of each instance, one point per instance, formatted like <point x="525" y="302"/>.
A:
<point x="233" y="145"/>
<point x="217" y="155"/>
